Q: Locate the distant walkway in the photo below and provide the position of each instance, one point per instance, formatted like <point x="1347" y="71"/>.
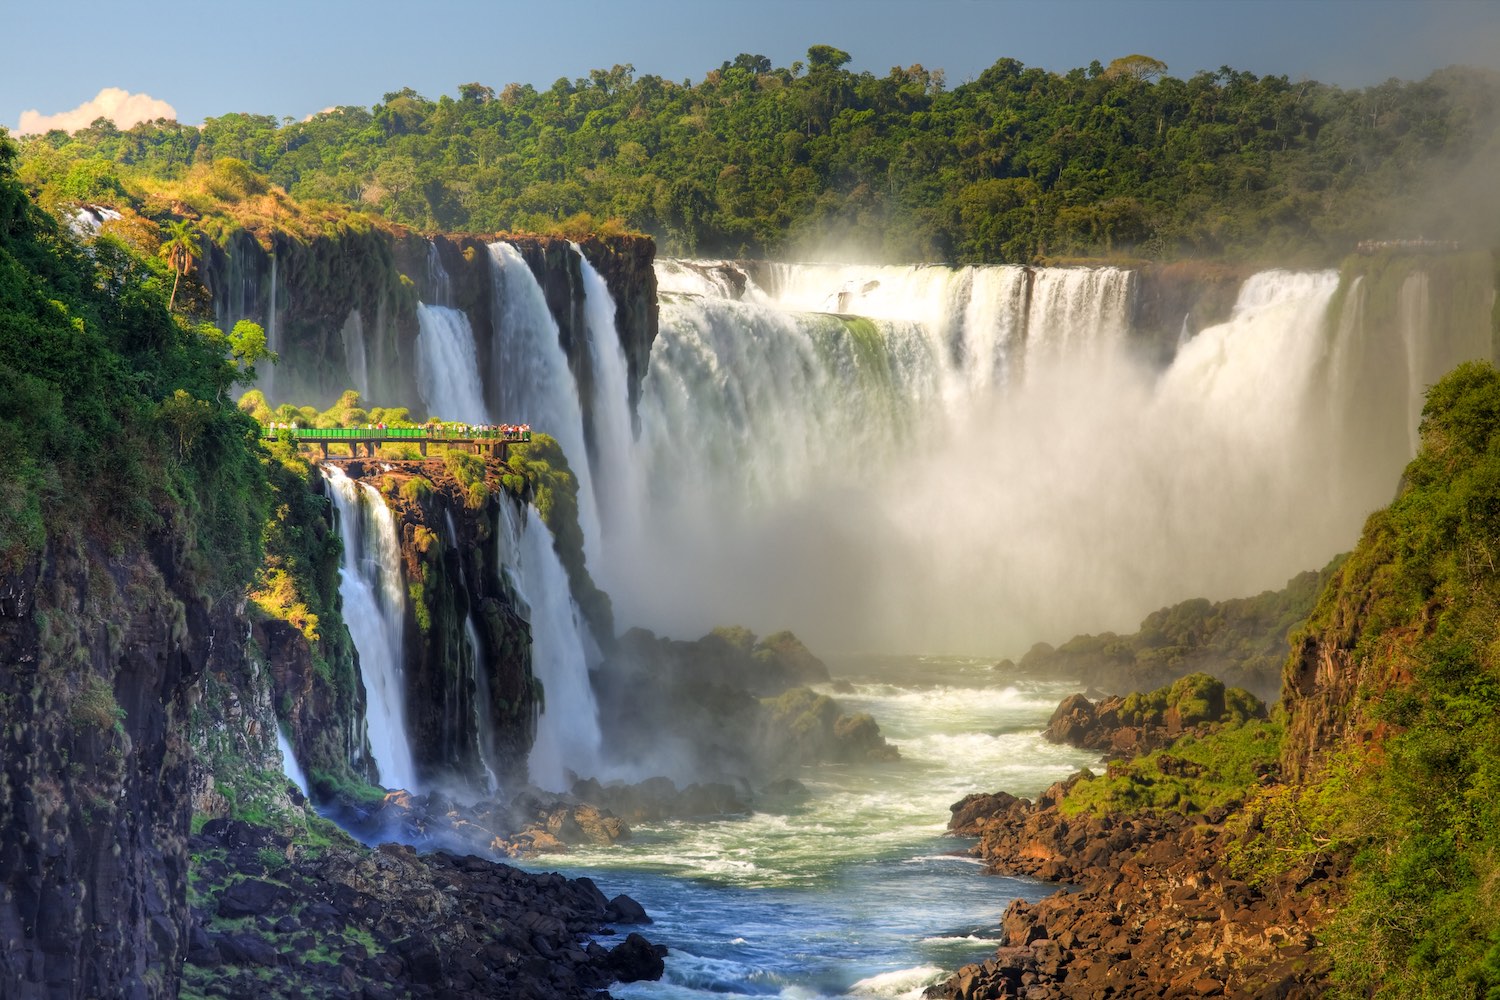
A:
<point x="493" y="441"/>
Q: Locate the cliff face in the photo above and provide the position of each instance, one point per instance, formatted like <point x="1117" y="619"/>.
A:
<point x="470" y="696"/>
<point x="102" y="654"/>
<point x="341" y="308"/>
<point x="1182" y="298"/>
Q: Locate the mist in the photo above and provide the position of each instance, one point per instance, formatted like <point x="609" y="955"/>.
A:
<point x="986" y="459"/>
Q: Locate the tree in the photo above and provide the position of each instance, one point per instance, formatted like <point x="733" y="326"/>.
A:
<point x="476" y="93"/>
<point x="180" y="250"/>
<point x="186" y="416"/>
<point x="247" y="346"/>
<point x="826" y="57"/>
<point x="1135" y="67"/>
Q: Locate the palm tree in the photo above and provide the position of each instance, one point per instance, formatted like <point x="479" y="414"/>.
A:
<point x="180" y="250"/>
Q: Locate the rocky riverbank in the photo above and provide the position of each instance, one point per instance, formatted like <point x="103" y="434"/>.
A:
<point x="275" y="918"/>
<point x="1153" y="909"/>
<point x="1156" y="904"/>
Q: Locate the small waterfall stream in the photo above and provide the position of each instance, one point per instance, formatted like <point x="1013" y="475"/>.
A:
<point x="447" y="372"/>
<point x="567" y="730"/>
<point x="289" y="765"/>
<point x="374" y="598"/>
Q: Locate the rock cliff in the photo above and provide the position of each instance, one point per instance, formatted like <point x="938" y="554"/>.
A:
<point x="455" y="699"/>
<point x="341" y="308"/>
<point x="104" y="653"/>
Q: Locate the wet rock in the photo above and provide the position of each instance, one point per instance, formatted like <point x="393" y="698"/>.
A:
<point x="624" y="910"/>
<point x="635" y="959"/>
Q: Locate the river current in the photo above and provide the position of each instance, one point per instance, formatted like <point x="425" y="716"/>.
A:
<point x="855" y="891"/>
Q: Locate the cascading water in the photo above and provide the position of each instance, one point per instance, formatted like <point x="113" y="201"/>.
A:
<point x="352" y="335"/>
<point x="447" y="372"/>
<point x="567" y="731"/>
<point x="975" y="458"/>
<point x="473" y="683"/>
<point x="374" y="599"/>
<point x="273" y="335"/>
<point x="439" y="284"/>
<point x="907" y="458"/>
<point x="289" y="765"/>
<point x="484" y="723"/>
<point x="531" y="382"/>
<point x="616" y="476"/>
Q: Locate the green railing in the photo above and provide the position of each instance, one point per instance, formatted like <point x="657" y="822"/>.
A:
<point x="438" y="434"/>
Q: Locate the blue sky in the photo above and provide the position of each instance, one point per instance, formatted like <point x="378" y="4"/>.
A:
<point x="295" y="57"/>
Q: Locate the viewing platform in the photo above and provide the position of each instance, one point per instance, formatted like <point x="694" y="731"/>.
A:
<point x="492" y="441"/>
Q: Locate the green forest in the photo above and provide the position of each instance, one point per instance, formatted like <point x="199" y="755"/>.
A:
<point x="1019" y="165"/>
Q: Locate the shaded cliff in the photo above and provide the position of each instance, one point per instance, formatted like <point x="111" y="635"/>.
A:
<point x="340" y="306"/>
<point x="1241" y="641"/>
<point x="102" y="654"/>
<point x="729" y="706"/>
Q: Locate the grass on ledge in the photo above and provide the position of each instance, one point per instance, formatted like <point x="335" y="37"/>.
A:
<point x="1193" y="775"/>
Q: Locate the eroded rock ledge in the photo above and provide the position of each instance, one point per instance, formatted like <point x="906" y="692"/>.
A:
<point x="1154" y="908"/>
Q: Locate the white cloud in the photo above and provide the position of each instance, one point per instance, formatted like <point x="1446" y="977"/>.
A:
<point x="121" y="106"/>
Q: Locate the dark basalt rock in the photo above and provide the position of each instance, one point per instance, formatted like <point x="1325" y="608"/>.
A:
<point x="624" y="910"/>
<point x="102" y="652"/>
<point x="636" y="958"/>
<point x="364" y="922"/>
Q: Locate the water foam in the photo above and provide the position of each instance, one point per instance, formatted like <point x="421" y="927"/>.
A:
<point x="374" y="603"/>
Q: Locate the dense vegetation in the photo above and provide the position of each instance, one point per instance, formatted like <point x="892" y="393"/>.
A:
<point x="114" y="413"/>
<point x="1416" y="809"/>
<point x="1016" y="165"/>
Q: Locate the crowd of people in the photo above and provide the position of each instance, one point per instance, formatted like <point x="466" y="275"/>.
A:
<point x="504" y="432"/>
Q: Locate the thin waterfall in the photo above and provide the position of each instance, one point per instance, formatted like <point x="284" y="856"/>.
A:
<point x="447" y="372"/>
<point x="530" y="379"/>
<point x="567" y="729"/>
<point x="289" y="765"/>
<point x="617" y="482"/>
<point x="352" y="335"/>
<point x="439" y="284"/>
<point x="374" y="599"/>
<point x="473" y="681"/>
<point x="273" y="335"/>
<point x="484" y="723"/>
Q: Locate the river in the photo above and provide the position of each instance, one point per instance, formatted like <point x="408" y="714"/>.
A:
<point x="855" y="891"/>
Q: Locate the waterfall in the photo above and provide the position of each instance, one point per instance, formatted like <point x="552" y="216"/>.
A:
<point x="473" y="684"/>
<point x="567" y="731"/>
<point x="531" y="382"/>
<point x="447" y="372"/>
<point x="968" y="459"/>
<point x="617" y="484"/>
<point x="273" y="337"/>
<point x="289" y="765"/>
<point x="1400" y="326"/>
<point x="484" y="723"/>
<point x="440" y="285"/>
<point x="352" y="335"/>
<point x="373" y="592"/>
